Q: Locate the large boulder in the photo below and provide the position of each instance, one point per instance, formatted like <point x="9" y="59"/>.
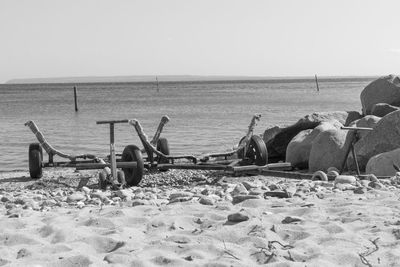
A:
<point x="383" y="138"/>
<point x="369" y="121"/>
<point x="383" y="90"/>
<point x="329" y="148"/>
<point x="299" y="148"/>
<point x="277" y="139"/>
<point x="382" y="109"/>
<point x="382" y="164"/>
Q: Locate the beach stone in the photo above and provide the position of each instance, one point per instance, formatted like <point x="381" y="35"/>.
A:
<point x="256" y="191"/>
<point x="86" y="190"/>
<point x="118" y="258"/>
<point x="239" y="198"/>
<point x="382" y="164"/>
<point x="99" y="195"/>
<point x="125" y="194"/>
<point x="291" y="219"/>
<point x="181" y="195"/>
<point x="237" y="217"/>
<point x="180" y="199"/>
<point x="382" y="90"/>
<point x="382" y="109"/>
<point x="364" y="183"/>
<point x="75" y="197"/>
<point x="345" y="179"/>
<point x="278" y="141"/>
<point x="239" y="189"/>
<point x="5" y="199"/>
<point x="344" y="187"/>
<point x="376" y="185"/>
<point x="3" y="262"/>
<point x="206" y="201"/>
<point x="329" y="147"/>
<point x="250" y="185"/>
<point x="384" y="137"/>
<point x="360" y="190"/>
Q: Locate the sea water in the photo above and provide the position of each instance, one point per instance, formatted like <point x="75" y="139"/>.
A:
<point x="204" y="116"/>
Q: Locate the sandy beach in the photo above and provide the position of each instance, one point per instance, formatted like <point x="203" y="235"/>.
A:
<point x="185" y="218"/>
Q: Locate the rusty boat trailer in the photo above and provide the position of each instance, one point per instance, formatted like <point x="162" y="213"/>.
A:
<point x="109" y="165"/>
<point x="250" y="155"/>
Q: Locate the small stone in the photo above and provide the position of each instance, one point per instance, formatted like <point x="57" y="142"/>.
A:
<point x="250" y="185"/>
<point x="86" y="190"/>
<point x="99" y="194"/>
<point x="80" y="204"/>
<point x="364" y="183"/>
<point x="360" y="190"/>
<point x="278" y="194"/>
<point x="181" y="195"/>
<point x="19" y="201"/>
<point x="376" y="185"/>
<point x="206" y="201"/>
<point x="240" y="198"/>
<point x="345" y="179"/>
<point x="239" y="189"/>
<point x="49" y="202"/>
<point x="76" y="197"/>
<point x="290" y="219"/>
<point x="344" y="187"/>
<point x="237" y="217"/>
<point x="256" y="191"/>
<point x="139" y="202"/>
<point x="180" y="199"/>
<point x="5" y="199"/>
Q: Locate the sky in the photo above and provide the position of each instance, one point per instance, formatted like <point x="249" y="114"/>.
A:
<point x="64" y="38"/>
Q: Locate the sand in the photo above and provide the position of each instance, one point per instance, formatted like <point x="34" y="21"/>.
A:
<point x="203" y="219"/>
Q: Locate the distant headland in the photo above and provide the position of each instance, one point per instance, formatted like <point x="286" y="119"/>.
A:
<point x="160" y="78"/>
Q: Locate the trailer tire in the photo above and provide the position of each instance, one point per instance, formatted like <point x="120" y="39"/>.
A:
<point x="103" y="180"/>
<point x="163" y="147"/>
<point x="257" y="151"/>
<point x="35" y="156"/>
<point x="133" y="176"/>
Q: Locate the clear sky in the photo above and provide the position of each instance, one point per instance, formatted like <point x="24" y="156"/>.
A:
<point x="61" y="38"/>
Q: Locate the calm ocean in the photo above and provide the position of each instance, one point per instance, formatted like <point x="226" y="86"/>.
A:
<point x="205" y="116"/>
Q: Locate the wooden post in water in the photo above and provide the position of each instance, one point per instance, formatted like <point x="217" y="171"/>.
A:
<point x="76" y="99"/>
<point x="316" y="81"/>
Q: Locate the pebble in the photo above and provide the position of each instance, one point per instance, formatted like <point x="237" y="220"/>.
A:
<point x="376" y="185"/>
<point x="290" y="219"/>
<point x="239" y="189"/>
<point x="181" y="195"/>
<point x="204" y="200"/>
<point x="360" y="190"/>
<point x="237" y="217"/>
<point x="125" y="194"/>
<point x="345" y="179"/>
<point x="240" y="198"/>
<point x="75" y="197"/>
<point x="139" y="202"/>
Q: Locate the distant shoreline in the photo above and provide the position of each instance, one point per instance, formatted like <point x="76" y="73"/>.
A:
<point x="176" y="79"/>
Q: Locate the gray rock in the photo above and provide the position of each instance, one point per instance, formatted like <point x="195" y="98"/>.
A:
<point x="75" y="197"/>
<point x="360" y="190"/>
<point x="291" y="219"/>
<point x="298" y="149"/>
<point x="329" y="147"/>
<point x="181" y="195"/>
<point x="125" y="194"/>
<point x="206" y="201"/>
<point x="237" y="217"/>
<point x="385" y="137"/>
<point x="382" y="109"/>
<point x="239" y="189"/>
<point x="278" y="141"/>
<point x="382" y="164"/>
<point x="383" y="90"/>
<point x="239" y="198"/>
<point x="139" y="202"/>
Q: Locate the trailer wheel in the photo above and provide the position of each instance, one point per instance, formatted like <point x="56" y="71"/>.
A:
<point x="257" y="151"/>
<point x="163" y="147"/>
<point x="35" y="161"/>
<point x="133" y="176"/>
<point x="103" y="180"/>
